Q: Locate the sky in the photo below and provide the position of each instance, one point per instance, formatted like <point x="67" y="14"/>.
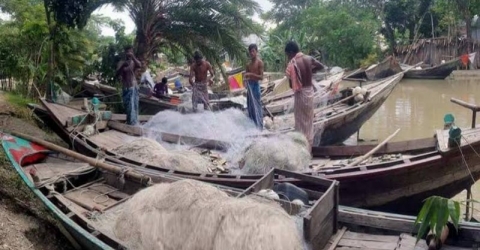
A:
<point x="129" y="25"/>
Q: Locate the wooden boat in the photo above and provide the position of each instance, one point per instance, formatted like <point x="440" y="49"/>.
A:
<point x="388" y="67"/>
<point x="69" y="184"/>
<point x="440" y="71"/>
<point x="282" y="102"/>
<point x="426" y="166"/>
<point x="338" y="121"/>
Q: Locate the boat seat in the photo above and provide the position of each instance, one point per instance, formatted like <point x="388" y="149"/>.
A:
<point x="98" y="196"/>
<point x="49" y="170"/>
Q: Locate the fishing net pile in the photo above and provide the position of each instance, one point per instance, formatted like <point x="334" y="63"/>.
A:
<point x="225" y="125"/>
<point x="189" y="214"/>
<point x="149" y="151"/>
<point x="288" y="151"/>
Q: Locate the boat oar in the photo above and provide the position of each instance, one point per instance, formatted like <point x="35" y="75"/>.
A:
<point x="92" y="161"/>
<point x="371" y="152"/>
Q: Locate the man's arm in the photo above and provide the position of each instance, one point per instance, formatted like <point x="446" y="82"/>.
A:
<point x="316" y="65"/>
<point x="212" y="72"/>
<point x="120" y="66"/>
<point x="192" y="73"/>
<point x="138" y="64"/>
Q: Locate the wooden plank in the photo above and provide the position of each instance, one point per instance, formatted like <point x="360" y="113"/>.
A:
<point x="411" y="146"/>
<point x="306" y="178"/>
<point x="266" y="182"/>
<point x="368" y="244"/>
<point x="123" y="117"/>
<point x="320" y="212"/>
<point x="338" y="237"/>
<point x="369" y="237"/>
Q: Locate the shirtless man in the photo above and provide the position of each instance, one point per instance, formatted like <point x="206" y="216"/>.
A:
<point x="199" y="69"/>
<point x="299" y="71"/>
<point x="254" y="74"/>
<point x="130" y="96"/>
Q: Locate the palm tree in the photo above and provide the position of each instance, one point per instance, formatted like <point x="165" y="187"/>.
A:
<point x="210" y="26"/>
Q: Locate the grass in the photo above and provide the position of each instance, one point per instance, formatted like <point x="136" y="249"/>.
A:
<point x="19" y="107"/>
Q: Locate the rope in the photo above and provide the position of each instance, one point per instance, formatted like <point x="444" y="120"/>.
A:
<point x="465" y="161"/>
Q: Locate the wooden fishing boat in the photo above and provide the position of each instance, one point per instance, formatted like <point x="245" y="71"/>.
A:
<point x="425" y="167"/>
<point x="440" y="71"/>
<point x="147" y="105"/>
<point x="338" y="121"/>
<point x="282" y="102"/>
<point x="388" y="67"/>
<point x="70" y="184"/>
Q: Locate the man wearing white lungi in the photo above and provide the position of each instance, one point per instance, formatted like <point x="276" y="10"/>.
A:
<point x="299" y="72"/>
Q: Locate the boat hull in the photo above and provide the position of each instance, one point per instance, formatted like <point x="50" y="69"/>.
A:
<point x="383" y="185"/>
<point x="340" y="129"/>
<point x="437" y="72"/>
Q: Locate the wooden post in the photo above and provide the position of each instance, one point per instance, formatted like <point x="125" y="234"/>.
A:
<point x="474" y="108"/>
<point x="467" y="209"/>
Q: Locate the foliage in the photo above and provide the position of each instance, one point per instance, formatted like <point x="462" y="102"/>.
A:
<point x="435" y="213"/>
<point x="343" y="39"/>
<point x="211" y="26"/>
<point x="73" y="13"/>
<point x="111" y="53"/>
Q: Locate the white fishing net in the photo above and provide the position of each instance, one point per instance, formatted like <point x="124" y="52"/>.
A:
<point x="149" y="151"/>
<point x="189" y="214"/>
<point x="245" y="144"/>
<point x="288" y="152"/>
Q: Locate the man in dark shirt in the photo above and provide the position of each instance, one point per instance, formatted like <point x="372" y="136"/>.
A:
<point x="126" y="71"/>
<point x="160" y="88"/>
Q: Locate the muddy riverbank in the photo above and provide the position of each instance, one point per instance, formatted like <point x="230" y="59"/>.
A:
<point x="24" y="222"/>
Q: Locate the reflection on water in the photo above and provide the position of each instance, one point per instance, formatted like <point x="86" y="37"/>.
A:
<point x="417" y="107"/>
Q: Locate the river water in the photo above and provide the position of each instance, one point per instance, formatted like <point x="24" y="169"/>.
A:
<point x="417" y="107"/>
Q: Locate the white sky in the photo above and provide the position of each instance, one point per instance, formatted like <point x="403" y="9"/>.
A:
<point x="129" y="25"/>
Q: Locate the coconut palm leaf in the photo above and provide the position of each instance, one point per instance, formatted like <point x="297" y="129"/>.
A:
<point x="211" y="26"/>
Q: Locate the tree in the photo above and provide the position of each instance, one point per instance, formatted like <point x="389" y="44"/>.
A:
<point x="207" y="25"/>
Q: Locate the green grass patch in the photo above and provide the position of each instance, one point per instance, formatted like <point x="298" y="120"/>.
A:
<point x="18" y="100"/>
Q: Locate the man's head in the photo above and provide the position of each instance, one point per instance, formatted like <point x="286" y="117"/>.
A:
<point x="197" y="56"/>
<point x="128" y="51"/>
<point x="291" y="49"/>
<point x="253" y="50"/>
<point x="164" y="80"/>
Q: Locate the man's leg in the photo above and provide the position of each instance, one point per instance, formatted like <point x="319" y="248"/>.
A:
<point x="136" y="100"/>
<point x="258" y="105"/>
<point x="127" y="103"/>
<point x="194" y="98"/>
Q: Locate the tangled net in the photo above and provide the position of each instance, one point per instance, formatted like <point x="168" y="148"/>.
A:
<point x="288" y="152"/>
<point x="190" y="215"/>
<point x="149" y="151"/>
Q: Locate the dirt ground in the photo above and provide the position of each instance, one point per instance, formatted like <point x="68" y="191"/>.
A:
<point x="24" y="222"/>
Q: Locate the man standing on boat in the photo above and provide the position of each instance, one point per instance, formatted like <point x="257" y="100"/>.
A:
<point x="254" y="74"/>
<point x="126" y="71"/>
<point x="299" y="72"/>
<point x="199" y="69"/>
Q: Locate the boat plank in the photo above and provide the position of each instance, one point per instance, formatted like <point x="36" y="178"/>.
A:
<point x="48" y="170"/>
<point x="111" y="139"/>
<point x="469" y="136"/>
<point x="88" y="198"/>
<point x="63" y="113"/>
<point x="380" y="245"/>
<point x="369" y="237"/>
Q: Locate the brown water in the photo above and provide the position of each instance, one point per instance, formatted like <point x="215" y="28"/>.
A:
<point x="417" y="107"/>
